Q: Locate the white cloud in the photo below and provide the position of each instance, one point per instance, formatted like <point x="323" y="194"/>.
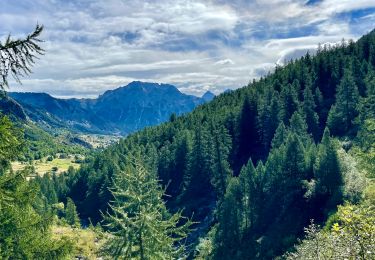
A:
<point x="92" y="46"/>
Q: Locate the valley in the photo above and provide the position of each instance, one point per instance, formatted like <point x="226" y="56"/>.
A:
<point x="116" y="112"/>
<point x="50" y="165"/>
<point x="280" y="165"/>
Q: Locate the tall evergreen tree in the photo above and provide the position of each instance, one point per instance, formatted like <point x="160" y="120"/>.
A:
<point x="327" y="171"/>
<point x="248" y="141"/>
<point x="280" y="136"/>
<point x="198" y="175"/>
<point x="139" y="223"/>
<point x="24" y="228"/>
<point x="269" y="118"/>
<point x="71" y="214"/>
<point x="221" y="171"/>
<point x="251" y="189"/>
<point x="311" y="116"/>
<point x="342" y="114"/>
<point x="228" y="234"/>
<point x="289" y="102"/>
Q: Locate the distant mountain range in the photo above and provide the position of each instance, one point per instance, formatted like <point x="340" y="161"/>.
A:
<point x="119" y="111"/>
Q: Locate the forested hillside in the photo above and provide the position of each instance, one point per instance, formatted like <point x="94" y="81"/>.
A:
<point x="245" y="176"/>
<point x="255" y="165"/>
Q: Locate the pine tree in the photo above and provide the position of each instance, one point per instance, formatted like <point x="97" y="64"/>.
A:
<point x="24" y="228"/>
<point x="299" y="127"/>
<point x="311" y="116"/>
<point x="280" y="136"/>
<point x="198" y="177"/>
<point x="139" y="223"/>
<point x="250" y="189"/>
<point x="221" y="171"/>
<point x="327" y="170"/>
<point x="228" y="234"/>
<point x="269" y="118"/>
<point x="71" y="214"/>
<point x="248" y="134"/>
<point x="289" y="102"/>
<point x="342" y="114"/>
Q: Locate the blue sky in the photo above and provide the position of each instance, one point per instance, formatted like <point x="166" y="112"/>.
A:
<point x="92" y="46"/>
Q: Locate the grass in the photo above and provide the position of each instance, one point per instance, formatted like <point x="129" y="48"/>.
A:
<point x="86" y="242"/>
<point x="43" y="166"/>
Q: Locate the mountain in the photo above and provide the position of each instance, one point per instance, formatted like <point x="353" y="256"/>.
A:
<point x="11" y="108"/>
<point x="208" y="96"/>
<point x="255" y="165"/>
<point x="122" y="110"/>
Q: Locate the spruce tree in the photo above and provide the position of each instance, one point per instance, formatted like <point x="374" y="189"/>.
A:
<point x="221" y="171"/>
<point x="327" y="170"/>
<point x="198" y="174"/>
<point x="229" y="233"/>
<point x="250" y="189"/>
<point x="344" y="111"/>
<point x="269" y="118"/>
<point x="71" y="214"/>
<point x="280" y="136"/>
<point x="139" y="224"/>
<point x="289" y="102"/>
<point x="311" y="116"/>
<point x="24" y="223"/>
<point x="248" y="141"/>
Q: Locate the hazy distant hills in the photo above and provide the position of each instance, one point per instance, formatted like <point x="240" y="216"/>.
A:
<point x="122" y="110"/>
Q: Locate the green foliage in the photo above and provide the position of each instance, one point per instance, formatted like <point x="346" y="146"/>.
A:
<point x="277" y="123"/>
<point x="17" y="56"/>
<point x="228" y="236"/>
<point x="312" y="118"/>
<point x="11" y="143"/>
<point x="139" y="223"/>
<point x="353" y="237"/>
<point x="24" y="222"/>
<point x="71" y="214"/>
<point x="342" y="114"/>
<point x="24" y="233"/>
<point x="328" y="172"/>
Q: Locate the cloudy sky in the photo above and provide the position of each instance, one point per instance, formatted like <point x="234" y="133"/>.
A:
<point x="93" y="45"/>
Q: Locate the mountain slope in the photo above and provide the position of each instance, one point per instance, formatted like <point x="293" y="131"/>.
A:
<point x="123" y="110"/>
<point x="208" y="96"/>
<point x="271" y="135"/>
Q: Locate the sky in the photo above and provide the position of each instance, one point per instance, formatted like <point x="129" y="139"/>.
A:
<point x="92" y="46"/>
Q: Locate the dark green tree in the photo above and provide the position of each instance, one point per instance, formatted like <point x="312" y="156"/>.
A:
<point x="289" y="102"/>
<point x="344" y="111"/>
<point x="311" y="116"/>
<point x="327" y="171"/>
<point x="71" y="214"/>
<point x="248" y="141"/>
<point x="269" y="118"/>
<point x="221" y="171"/>
<point x="229" y="234"/>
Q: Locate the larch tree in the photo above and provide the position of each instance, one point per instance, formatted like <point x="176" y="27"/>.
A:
<point x="71" y="214"/>
<point x="17" y="56"/>
<point x="24" y="232"/>
<point x="139" y="224"/>
<point x="327" y="171"/>
<point x="342" y="114"/>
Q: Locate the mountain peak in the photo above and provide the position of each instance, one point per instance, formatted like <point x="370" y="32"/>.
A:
<point x="208" y="96"/>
